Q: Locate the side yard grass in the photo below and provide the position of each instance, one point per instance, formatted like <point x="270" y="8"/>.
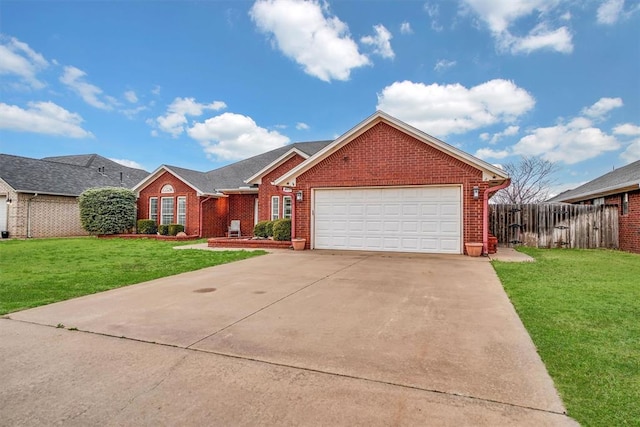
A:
<point x="582" y="310"/>
<point x="39" y="272"/>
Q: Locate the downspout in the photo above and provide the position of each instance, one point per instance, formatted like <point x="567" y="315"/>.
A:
<point x="485" y="214"/>
<point x="29" y="214"/>
<point x="202" y="215"/>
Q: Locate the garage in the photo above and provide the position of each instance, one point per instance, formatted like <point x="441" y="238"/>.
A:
<point x="398" y="219"/>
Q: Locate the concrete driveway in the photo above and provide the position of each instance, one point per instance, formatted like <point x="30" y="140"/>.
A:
<point x="310" y="337"/>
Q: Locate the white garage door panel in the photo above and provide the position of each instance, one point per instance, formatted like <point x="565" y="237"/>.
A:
<point x="416" y="219"/>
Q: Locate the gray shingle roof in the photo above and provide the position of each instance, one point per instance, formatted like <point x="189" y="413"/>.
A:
<point x="233" y="176"/>
<point x="66" y="175"/>
<point x="608" y="183"/>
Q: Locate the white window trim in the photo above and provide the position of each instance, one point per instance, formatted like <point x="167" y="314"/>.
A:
<point x="275" y="207"/>
<point x="150" y="211"/>
<point x="284" y="206"/>
<point x="162" y="210"/>
<point x="182" y="199"/>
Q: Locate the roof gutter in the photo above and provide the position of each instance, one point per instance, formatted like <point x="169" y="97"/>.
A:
<point x="485" y="214"/>
<point x="620" y="188"/>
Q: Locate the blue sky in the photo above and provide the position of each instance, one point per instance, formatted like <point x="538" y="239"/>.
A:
<point x="202" y="84"/>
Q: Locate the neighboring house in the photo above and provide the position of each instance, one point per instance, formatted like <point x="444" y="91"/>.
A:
<point x="39" y="197"/>
<point x="620" y="187"/>
<point x="382" y="186"/>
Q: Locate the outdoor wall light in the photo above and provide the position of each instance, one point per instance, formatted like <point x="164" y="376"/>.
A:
<point x="476" y="192"/>
<point x="9" y="201"/>
<point x="299" y="196"/>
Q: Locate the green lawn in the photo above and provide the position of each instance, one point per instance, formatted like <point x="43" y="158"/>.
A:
<point x="39" y="272"/>
<point x="582" y="310"/>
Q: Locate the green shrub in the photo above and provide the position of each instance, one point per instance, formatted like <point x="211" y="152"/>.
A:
<point x="163" y="229"/>
<point x="269" y="228"/>
<point x="175" y="229"/>
<point x="108" y="210"/>
<point x="282" y="229"/>
<point x="260" y="229"/>
<point x="146" y="226"/>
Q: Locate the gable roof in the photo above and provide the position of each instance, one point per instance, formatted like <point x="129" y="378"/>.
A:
<point x="626" y="178"/>
<point x="489" y="172"/>
<point x="29" y="175"/>
<point x="233" y="176"/>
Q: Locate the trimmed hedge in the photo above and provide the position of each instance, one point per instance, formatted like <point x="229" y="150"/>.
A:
<point x="175" y="229"/>
<point x="269" y="228"/>
<point x="163" y="229"/>
<point x="282" y="229"/>
<point x="260" y="229"/>
<point x="146" y="226"/>
<point x="109" y="210"/>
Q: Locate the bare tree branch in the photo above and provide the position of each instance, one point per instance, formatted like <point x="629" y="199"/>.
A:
<point x="531" y="179"/>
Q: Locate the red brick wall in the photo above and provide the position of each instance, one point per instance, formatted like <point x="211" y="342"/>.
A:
<point x="215" y="214"/>
<point x="629" y="224"/>
<point x="180" y="189"/>
<point x="385" y="156"/>
<point x="267" y="190"/>
<point x="241" y="206"/>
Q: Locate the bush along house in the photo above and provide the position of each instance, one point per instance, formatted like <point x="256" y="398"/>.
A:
<point x="381" y="186"/>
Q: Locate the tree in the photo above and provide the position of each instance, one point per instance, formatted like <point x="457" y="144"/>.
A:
<point x="531" y="179"/>
<point x="108" y="210"/>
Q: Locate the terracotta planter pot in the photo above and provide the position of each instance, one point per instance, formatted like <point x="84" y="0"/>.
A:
<point x="298" y="244"/>
<point x="473" y="249"/>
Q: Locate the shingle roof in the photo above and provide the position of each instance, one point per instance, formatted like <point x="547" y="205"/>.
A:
<point x="233" y="176"/>
<point x="619" y="179"/>
<point x="62" y="177"/>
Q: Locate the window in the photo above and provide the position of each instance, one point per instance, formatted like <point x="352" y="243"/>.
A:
<point x="182" y="210"/>
<point x="286" y="207"/>
<point x="153" y="209"/>
<point x="599" y="201"/>
<point x="167" y="188"/>
<point x="625" y="204"/>
<point x="275" y="207"/>
<point x="167" y="211"/>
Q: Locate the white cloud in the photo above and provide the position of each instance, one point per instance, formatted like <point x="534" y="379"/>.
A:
<point x="128" y="163"/>
<point x="308" y="34"/>
<point x="131" y="96"/>
<point x="156" y="90"/>
<point x="609" y="11"/>
<point x="632" y="153"/>
<point x="540" y="38"/>
<point x="602" y="107"/>
<point x="302" y="126"/>
<point x="443" y="64"/>
<point x="433" y="11"/>
<point x="488" y="153"/>
<point x="447" y="109"/>
<point x="500" y="16"/>
<point x="485" y="136"/>
<point x="405" y="28"/>
<point x="42" y="117"/>
<point x="17" y="58"/>
<point x="381" y="42"/>
<point x="627" y="129"/>
<point x="232" y="136"/>
<point x="509" y="131"/>
<point x="73" y="78"/>
<point x="569" y="143"/>
<point x="174" y="120"/>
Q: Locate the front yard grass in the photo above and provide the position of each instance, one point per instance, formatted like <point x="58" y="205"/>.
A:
<point x="582" y="310"/>
<point x="39" y="272"/>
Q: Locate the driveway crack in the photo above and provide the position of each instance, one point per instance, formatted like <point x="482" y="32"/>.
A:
<point x="279" y="300"/>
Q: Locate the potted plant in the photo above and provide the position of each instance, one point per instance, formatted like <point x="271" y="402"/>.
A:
<point x="473" y="249"/>
<point x="298" y="243"/>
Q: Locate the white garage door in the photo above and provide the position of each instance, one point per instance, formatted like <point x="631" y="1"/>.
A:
<point x="407" y="219"/>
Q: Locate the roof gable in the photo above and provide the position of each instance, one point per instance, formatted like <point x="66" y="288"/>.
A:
<point x="623" y="179"/>
<point x="257" y="177"/>
<point x="490" y="172"/>
<point x="194" y="179"/>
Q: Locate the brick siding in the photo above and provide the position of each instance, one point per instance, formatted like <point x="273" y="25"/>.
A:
<point x="267" y="190"/>
<point x="241" y="206"/>
<point x="629" y="224"/>
<point x="385" y="156"/>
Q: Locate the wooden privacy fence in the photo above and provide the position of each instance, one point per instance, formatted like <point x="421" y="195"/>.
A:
<point x="555" y="225"/>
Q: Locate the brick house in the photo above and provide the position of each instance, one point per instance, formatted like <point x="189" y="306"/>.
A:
<point x="383" y="185"/>
<point x="621" y="188"/>
<point x="39" y="197"/>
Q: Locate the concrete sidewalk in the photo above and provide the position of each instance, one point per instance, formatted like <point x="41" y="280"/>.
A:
<point x="312" y="337"/>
